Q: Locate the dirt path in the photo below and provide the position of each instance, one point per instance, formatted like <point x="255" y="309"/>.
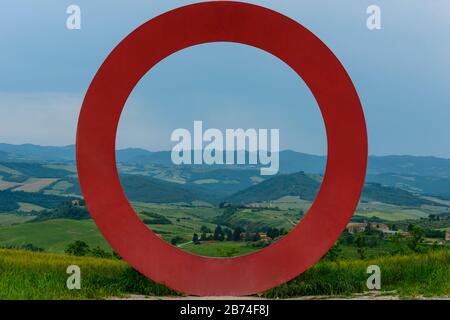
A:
<point x="361" y="296"/>
<point x="183" y="244"/>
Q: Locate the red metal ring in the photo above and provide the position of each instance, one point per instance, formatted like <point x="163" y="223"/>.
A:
<point x="222" y="21"/>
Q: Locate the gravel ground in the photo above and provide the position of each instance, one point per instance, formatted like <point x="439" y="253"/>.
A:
<point x="362" y="296"/>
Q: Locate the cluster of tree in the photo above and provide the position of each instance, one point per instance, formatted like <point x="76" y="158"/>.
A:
<point x="259" y="209"/>
<point x="237" y="234"/>
<point x="81" y="248"/>
<point x="176" y="240"/>
<point x="439" y="217"/>
<point x="417" y="234"/>
<point x="437" y="221"/>
<point x="274" y="232"/>
<point x="219" y="234"/>
<point x="433" y="233"/>
<point x="67" y="210"/>
<point x="412" y="241"/>
<point x="27" y="247"/>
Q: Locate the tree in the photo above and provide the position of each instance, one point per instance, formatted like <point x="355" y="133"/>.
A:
<point x="218" y="233"/>
<point x="237" y="234"/>
<point x="100" y="253"/>
<point x="360" y="241"/>
<point x="417" y="235"/>
<point x="195" y="239"/>
<point x="229" y="235"/>
<point x="273" y="233"/>
<point x="78" y="248"/>
<point x="334" y="252"/>
<point x="176" y="240"/>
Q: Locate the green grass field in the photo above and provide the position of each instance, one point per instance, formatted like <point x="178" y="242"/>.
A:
<point x="28" y="275"/>
<point x="390" y="212"/>
<point x="253" y="219"/>
<point x="9" y="219"/>
<point x="220" y="249"/>
<point x="53" y="235"/>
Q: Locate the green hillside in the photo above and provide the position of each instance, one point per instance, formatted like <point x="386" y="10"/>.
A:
<point x="391" y="195"/>
<point x="296" y="184"/>
<point x="147" y="189"/>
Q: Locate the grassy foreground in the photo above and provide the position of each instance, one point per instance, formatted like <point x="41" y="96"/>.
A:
<point x="29" y="275"/>
<point x="409" y="276"/>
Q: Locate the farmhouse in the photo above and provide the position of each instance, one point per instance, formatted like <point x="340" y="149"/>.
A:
<point x="380" y="227"/>
<point x="263" y="236"/>
<point x="354" y="227"/>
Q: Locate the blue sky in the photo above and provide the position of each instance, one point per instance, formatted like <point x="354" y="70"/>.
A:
<point x="401" y="72"/>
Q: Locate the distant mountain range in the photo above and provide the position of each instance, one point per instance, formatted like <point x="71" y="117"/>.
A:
<point x="426" y="175"/>
<point x="290" y="161"/>
<point x="172" y="184"/>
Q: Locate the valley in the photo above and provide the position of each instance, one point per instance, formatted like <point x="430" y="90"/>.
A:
<point x="207" y="210"/>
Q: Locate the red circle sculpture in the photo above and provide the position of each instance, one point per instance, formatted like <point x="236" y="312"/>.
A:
<point x="222" y="21"/>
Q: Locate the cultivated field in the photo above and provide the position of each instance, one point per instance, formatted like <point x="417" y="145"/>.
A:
<point x="35" y="185"/>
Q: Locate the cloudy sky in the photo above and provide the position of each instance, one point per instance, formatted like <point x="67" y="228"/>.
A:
<point x="401" y="72"/>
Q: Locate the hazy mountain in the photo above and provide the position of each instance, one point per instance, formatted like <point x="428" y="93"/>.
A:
<point x="412" y="165"/>
<point x="422" y="184"/>
<point x="290" y="161"/>
<point x="40" y="153"/>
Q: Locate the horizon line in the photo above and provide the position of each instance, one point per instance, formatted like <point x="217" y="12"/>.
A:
<point x="283" y="150"/>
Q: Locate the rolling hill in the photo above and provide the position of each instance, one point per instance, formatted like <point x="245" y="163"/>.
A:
<point x="297" y="184"/>
<point x="10" y="201"/>
<point x="305" y="187"/>
<point x="147" y="189"/>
